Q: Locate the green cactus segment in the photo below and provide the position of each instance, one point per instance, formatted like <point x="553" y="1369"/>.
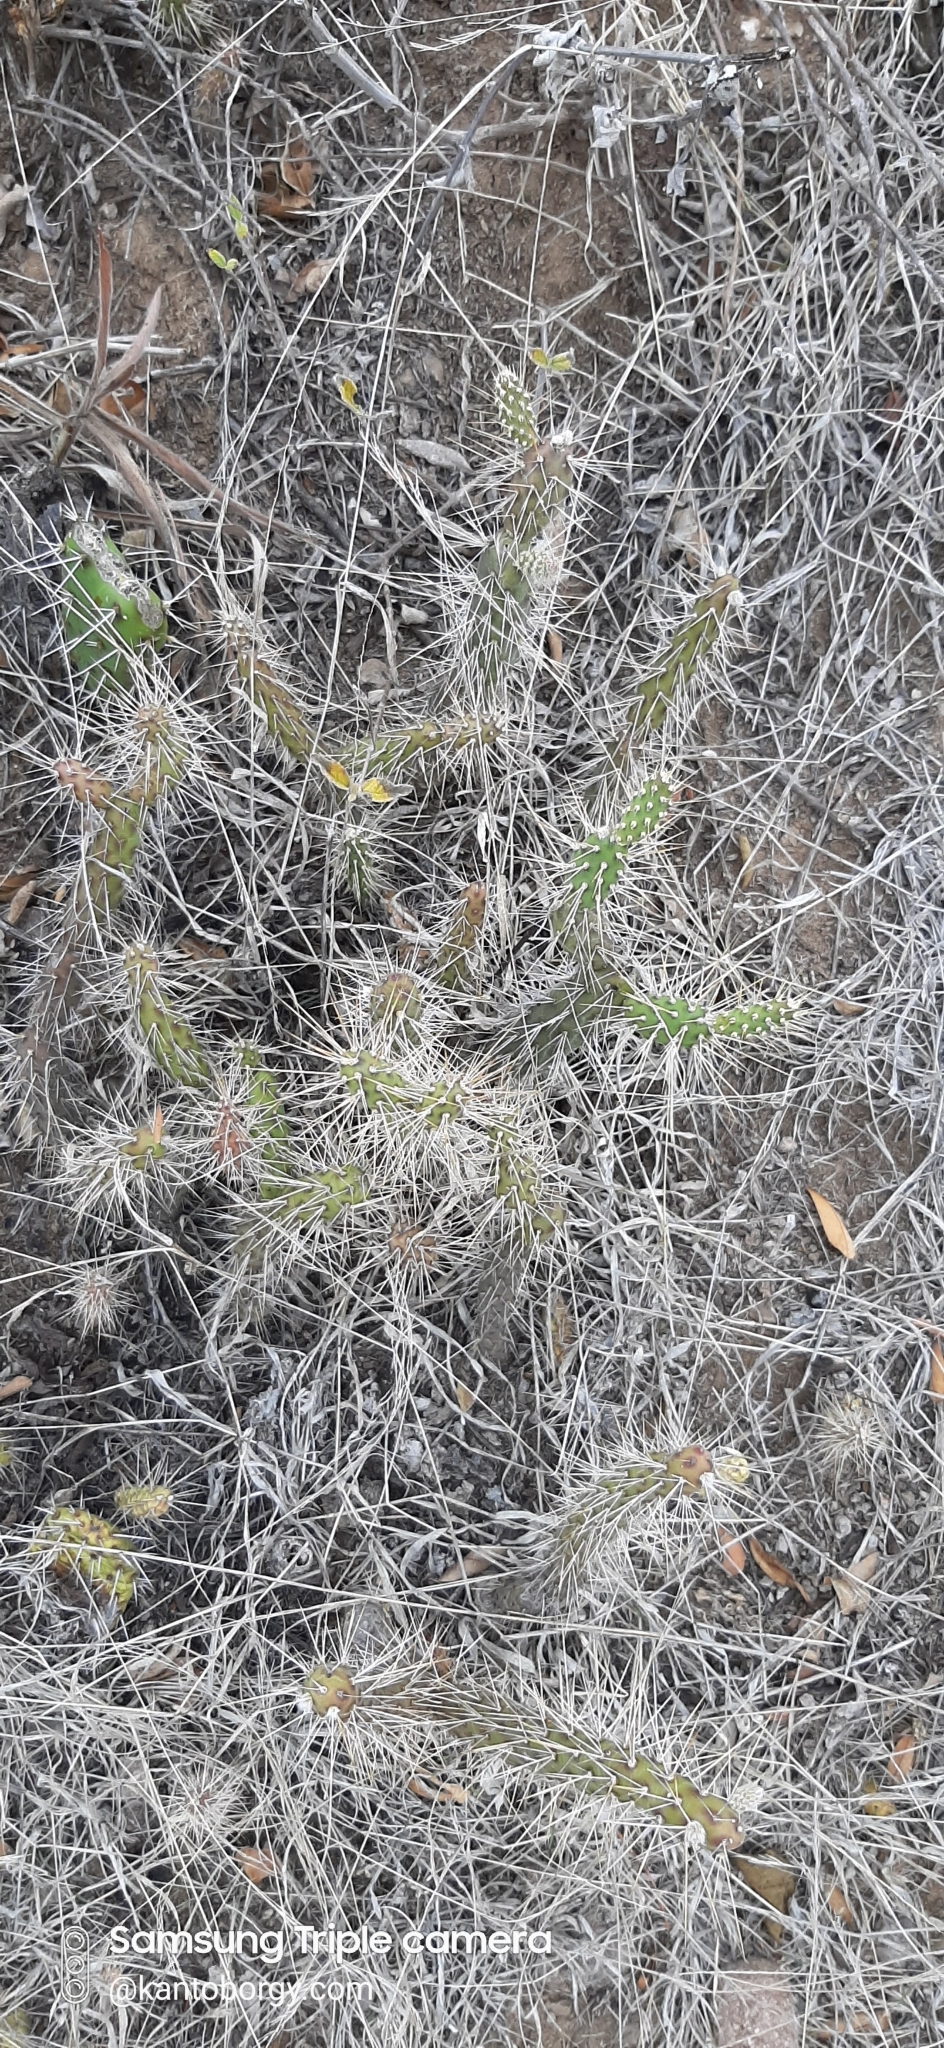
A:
<point x="389" y="753"/>
<point x="507" y="571"/>
<point x="604" y="1505"/>
<point x="116" y="845"/>
<point x="76" y="1544"/>
<point x="454" y="961"/>
<point x="661" y="1018"/>
<point x="109" y="613"/>
<point x="270" y="1123"/>
<point x="535" y="1746"/>
<point x="515" y="408"/>
<point x="318" y="1198"/>
<point x="146" y="1147"/>
<point x="600" y="860"/>
<point x="566" y="1017"/>
<point x="270" y="698"/>
<point x="396" y="1004"/>
<point x="693" y="640"/>
<point x="516" y="1185"/>
<point x="379" y="1086"/>
<point x="751" y="1020"/>
<point x="173" y="1046"/>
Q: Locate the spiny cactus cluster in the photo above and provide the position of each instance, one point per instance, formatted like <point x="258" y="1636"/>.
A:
<point x="419" y="1103"/>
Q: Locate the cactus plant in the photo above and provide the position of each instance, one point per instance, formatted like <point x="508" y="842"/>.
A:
<point x="77" y="1545"/>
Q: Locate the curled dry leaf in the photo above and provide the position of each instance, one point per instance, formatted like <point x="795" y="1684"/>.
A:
<point x="773" y="1568"/>
<point x="844" y="1008"/>
<point x="20" y="1384"/>
<point x="437" y="1792"/>
<point x="936" y="1382"/>
<point x="733" y="1553"/>
<point x="256" y="1864"/>
<point x="834" y="1228"/>
<point x="901" y="1763"/>
<point x="310" y="280"/>
<point x="851" y="1586"/>
<point x="554" y="646"/>
<point x="278" y="201"/>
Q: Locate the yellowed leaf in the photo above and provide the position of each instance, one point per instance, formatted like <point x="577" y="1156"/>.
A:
<point x="839" y="1904"/>
<point x="347" y="392"/>
<point x="773" y="1568"/>
<point x="901" y="1763"/>
<point x="746" y="852"/>
<point x="834" y="1228"/>
<point x="376" y="791"/>
<point x="256" y="1864"/>
<point x="851" y="1586"/>
<point x="770" y="1879"/>
<point x="733" y="1553"/>
<point x="936" y="1382"/>
<point x="873" y="1804"/>
<point x="338" y="775"/>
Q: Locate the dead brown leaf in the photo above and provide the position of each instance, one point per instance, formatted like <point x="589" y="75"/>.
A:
<point x="298" y="171"/>
<point x="312" y="276"/>
<point x="11" y="884"/>
<point x="19" y="902"/>
<point x="733" y="1553"/>
<point x="471" y="1567"/>
<point x="851" y="1586"/>
<point x="839" y="1904"/>
<point x="834" y="1228"/>
<point x="278" y="201"/>
<point x="437" y="1792"/>
<point x="464" y="1396"/>
<point x="773" y="1568"/>
<point x="901" y="1763"/>
<point x="936" y="1382"/>
<point x="128" y="402"/>
<point x="847" y="1009"/>
<point x="21" y="1384"/>
<point x="554" y="646"/>
<point x="256" y="1864"/>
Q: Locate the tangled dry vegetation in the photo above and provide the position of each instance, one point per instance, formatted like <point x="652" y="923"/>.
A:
<point x="473" y="959"/>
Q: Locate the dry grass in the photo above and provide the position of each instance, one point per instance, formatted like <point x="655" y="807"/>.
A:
<point x="364" y="1202"/>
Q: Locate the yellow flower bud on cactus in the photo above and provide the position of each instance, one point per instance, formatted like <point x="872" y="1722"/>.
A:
<point x="77" y="1544"/>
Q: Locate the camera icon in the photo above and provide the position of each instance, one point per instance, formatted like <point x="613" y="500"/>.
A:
<point x="76" y="1966"/>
